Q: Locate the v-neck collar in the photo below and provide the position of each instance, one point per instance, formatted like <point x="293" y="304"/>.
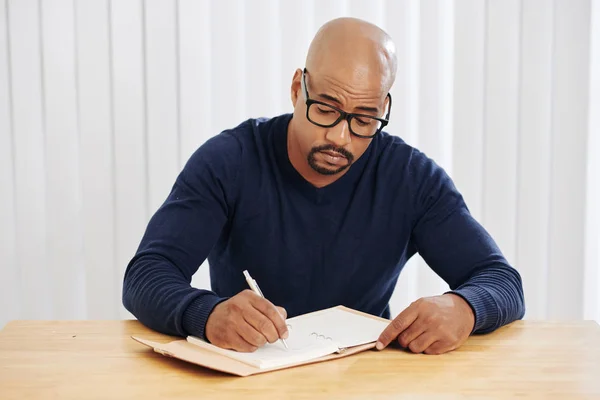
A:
<point x="342" y="186"/>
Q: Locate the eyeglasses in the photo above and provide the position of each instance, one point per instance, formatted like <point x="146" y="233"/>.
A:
<point x="326" y="116"/>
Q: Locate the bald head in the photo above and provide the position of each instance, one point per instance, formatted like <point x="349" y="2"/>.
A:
<point x="354" y="50"/>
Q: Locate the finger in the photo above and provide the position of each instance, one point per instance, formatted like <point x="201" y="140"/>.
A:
<point x="261" y="323"/>
<point x="422" y="342"/>
<point x="412" y="332"/>
<point x="397" y="326"/>
<point x="268" y="310"/>
<point x="238" y="343"/>
<point x="438" y="347"/>
<point x="282" y="311"/>
<point x="249" y="334"/>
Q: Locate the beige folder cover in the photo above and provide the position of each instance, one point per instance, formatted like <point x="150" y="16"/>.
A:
<point x="186" y="351"/>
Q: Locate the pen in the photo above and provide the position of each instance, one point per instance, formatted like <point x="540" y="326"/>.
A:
<point x="254" y="286"/>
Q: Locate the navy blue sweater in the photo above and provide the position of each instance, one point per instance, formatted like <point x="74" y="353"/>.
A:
<point x="240" y="203"/>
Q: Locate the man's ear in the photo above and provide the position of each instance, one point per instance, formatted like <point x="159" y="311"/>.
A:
<point x="296" y="86"/>
<point x="386" y="104"/>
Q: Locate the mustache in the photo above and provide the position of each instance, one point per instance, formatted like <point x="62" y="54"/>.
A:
<point x="329" y="147"/>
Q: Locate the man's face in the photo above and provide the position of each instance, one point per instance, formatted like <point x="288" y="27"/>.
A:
<point x="330" y="151"/>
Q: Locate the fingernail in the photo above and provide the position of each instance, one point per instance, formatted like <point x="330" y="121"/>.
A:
<point x="379" y="345"/>
<point x="285" y="335"/>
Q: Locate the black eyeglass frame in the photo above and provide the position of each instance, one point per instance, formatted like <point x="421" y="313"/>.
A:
<point x="343" y="114"/>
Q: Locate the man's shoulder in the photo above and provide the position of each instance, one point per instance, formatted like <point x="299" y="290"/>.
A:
<point x="230" y="146"/>
<point x="245" y="133"/>
<point x="398" y="155"/>
<point x="395" y="151"/>
<point x="416" y="174"/>
<point x="392" y="143"/>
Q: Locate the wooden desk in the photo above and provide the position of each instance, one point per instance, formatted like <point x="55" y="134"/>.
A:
<point x="97" y="359"/>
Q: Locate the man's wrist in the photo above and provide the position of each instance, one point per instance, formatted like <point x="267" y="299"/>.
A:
<point x="197" y="312"/>
<point x="465" y="308"/>
<point x="482" y="304"/>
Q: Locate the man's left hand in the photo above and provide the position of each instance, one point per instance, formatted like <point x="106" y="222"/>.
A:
<point x="431" y="325"/>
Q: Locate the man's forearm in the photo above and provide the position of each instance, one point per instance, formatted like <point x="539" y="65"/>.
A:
<point x="496" y="296"/>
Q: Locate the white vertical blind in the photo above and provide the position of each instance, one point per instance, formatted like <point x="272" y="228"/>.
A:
<point x="102" y="102"/>
<point x="97" y="158"/>
<point x="533" y="183"/>
<point x="262" y="41"/>
<point x="296" y="29"/>
<point x="570" y="85"/>
<point x="34" y="283"/>
<point x="64" y="246"/>
<point x="9" y="293"/>
<point x="434" y="130"/>
<point x="228" y="63"/>
<point x="195" y="100"/>
<point x="500" y="116"/>
<point x="592" y="213"/>
<point x="468" y="101"/>
<point x="129" y="131"/>
<point x="162" y="97"/>
<point x="402" y="22"/>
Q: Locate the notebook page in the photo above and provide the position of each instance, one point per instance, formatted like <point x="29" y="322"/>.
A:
<point x="300" y="348"/>
<point x="345" y="328"/>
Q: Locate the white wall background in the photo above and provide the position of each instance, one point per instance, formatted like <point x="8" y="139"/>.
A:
<point x="102" y="102"/>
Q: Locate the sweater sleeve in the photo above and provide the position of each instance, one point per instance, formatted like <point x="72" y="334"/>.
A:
<point x="461" y="251"/>
<point x="157" y="284"/>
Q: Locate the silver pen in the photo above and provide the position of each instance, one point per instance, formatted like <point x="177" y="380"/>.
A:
<point x="254" y="286"/>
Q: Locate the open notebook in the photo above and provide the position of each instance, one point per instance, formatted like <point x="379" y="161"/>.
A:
<point x="319" y="336"/>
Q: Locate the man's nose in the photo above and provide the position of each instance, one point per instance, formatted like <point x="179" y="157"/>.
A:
<point x="339" y="134"/>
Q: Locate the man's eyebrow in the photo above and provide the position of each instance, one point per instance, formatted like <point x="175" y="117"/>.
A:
<point x="339" y="103"/>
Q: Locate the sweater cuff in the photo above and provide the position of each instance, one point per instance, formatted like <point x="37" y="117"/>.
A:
<point x="197" y="312"/>
<point x="483" y="304"/>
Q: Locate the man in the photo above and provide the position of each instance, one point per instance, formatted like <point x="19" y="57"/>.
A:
<point x="323" y="208"/>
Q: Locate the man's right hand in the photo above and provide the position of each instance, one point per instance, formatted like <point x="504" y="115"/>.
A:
<point x="246" y="322"/>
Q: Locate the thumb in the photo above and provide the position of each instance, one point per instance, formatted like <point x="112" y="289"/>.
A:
<point x="282" y="311"/>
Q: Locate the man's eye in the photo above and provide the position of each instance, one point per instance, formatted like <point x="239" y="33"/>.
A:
<point x="364" y="122"/>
